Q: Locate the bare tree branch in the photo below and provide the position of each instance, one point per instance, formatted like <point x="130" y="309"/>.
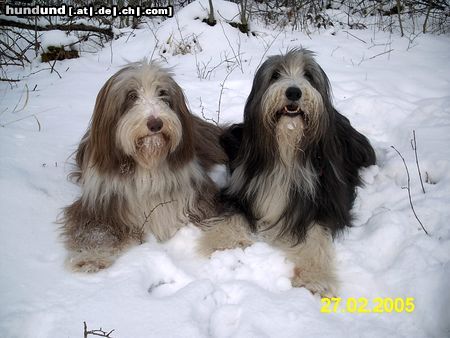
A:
<point x="222" y="87"/>
<point x="69" y="27"/>
<point x="414" y="146"/>
<point x="408" y="187"/>
<point x="99" y="333"/>
<point x="140" y="232"/>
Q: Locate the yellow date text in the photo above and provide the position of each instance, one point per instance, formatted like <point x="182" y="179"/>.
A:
<point x="364" y="305"/>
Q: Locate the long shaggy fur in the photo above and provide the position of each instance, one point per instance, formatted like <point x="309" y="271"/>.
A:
<point x="142" y="167"/>
<point x="294" y="167"/>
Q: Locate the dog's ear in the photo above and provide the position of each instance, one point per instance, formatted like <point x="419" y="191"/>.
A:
<point x="357" y="150"/>
<point x="185" y="150"/>
<point x="259" y="148"/>
<point x="81" y="159"/>
<point x="207" y="146"/>
<point x="339" y="157"/>
<point x="101" y="145"/>
<point x="231" y="139"/>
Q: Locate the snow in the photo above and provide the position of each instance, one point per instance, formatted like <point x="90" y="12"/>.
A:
<point x="56" y="38"/>
<point x="165" y="289"/>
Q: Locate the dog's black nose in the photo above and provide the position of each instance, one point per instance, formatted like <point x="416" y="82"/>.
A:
<point x="293" y="93"/>
<point x="154" y="124"/>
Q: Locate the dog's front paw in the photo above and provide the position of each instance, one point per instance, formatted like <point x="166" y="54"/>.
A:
<point x="209" y="242"/>
<point x="88" y="262"/>
<point x="324" y="285"/>
<point x="218" y="240"/>
<point x="224" y="233"/>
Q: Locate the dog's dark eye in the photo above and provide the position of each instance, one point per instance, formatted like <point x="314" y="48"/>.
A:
<point x="275" y="75"/>
<point x="308" y="76"/>
<point x="164" y="96"/>
<point x="132" y="96"/>
<point x="129" y="101"/>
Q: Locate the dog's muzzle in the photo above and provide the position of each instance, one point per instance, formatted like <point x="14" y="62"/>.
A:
<point x="155" y="139"/>
<point x="292" y="109"/>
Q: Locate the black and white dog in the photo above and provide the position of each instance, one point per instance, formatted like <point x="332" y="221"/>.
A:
<point x="294" y="170"/>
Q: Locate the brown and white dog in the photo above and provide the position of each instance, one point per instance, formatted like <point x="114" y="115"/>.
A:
<point x="142" y="166"/>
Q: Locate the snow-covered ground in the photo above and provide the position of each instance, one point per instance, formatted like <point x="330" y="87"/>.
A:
<point x="385" y="84"/>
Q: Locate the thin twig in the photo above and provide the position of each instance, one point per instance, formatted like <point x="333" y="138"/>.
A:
<point x="408" y="187"/>
<point x="267" y="49"/>
<point x="111" y="51"/>
<point x="26" y="117"/>
<point x="373" y="57"/>
<point x="355" y="37"/>
<point x="155" y="37"/>
<point x="37" y="120"/>
<point x="99" y="333"/>
<point x="205" y="73"/>
<point x="22" y="118"/>
<point x="203" y="114"/>
<point x="38" y="71"/>
<point x="24" y="104"/>
<point x="52" y="68"/>
<point x="414" y="146"/>
<point x="222" y="86"/>
<point x="237" y="55"/>
<point x="140" y="232"/>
